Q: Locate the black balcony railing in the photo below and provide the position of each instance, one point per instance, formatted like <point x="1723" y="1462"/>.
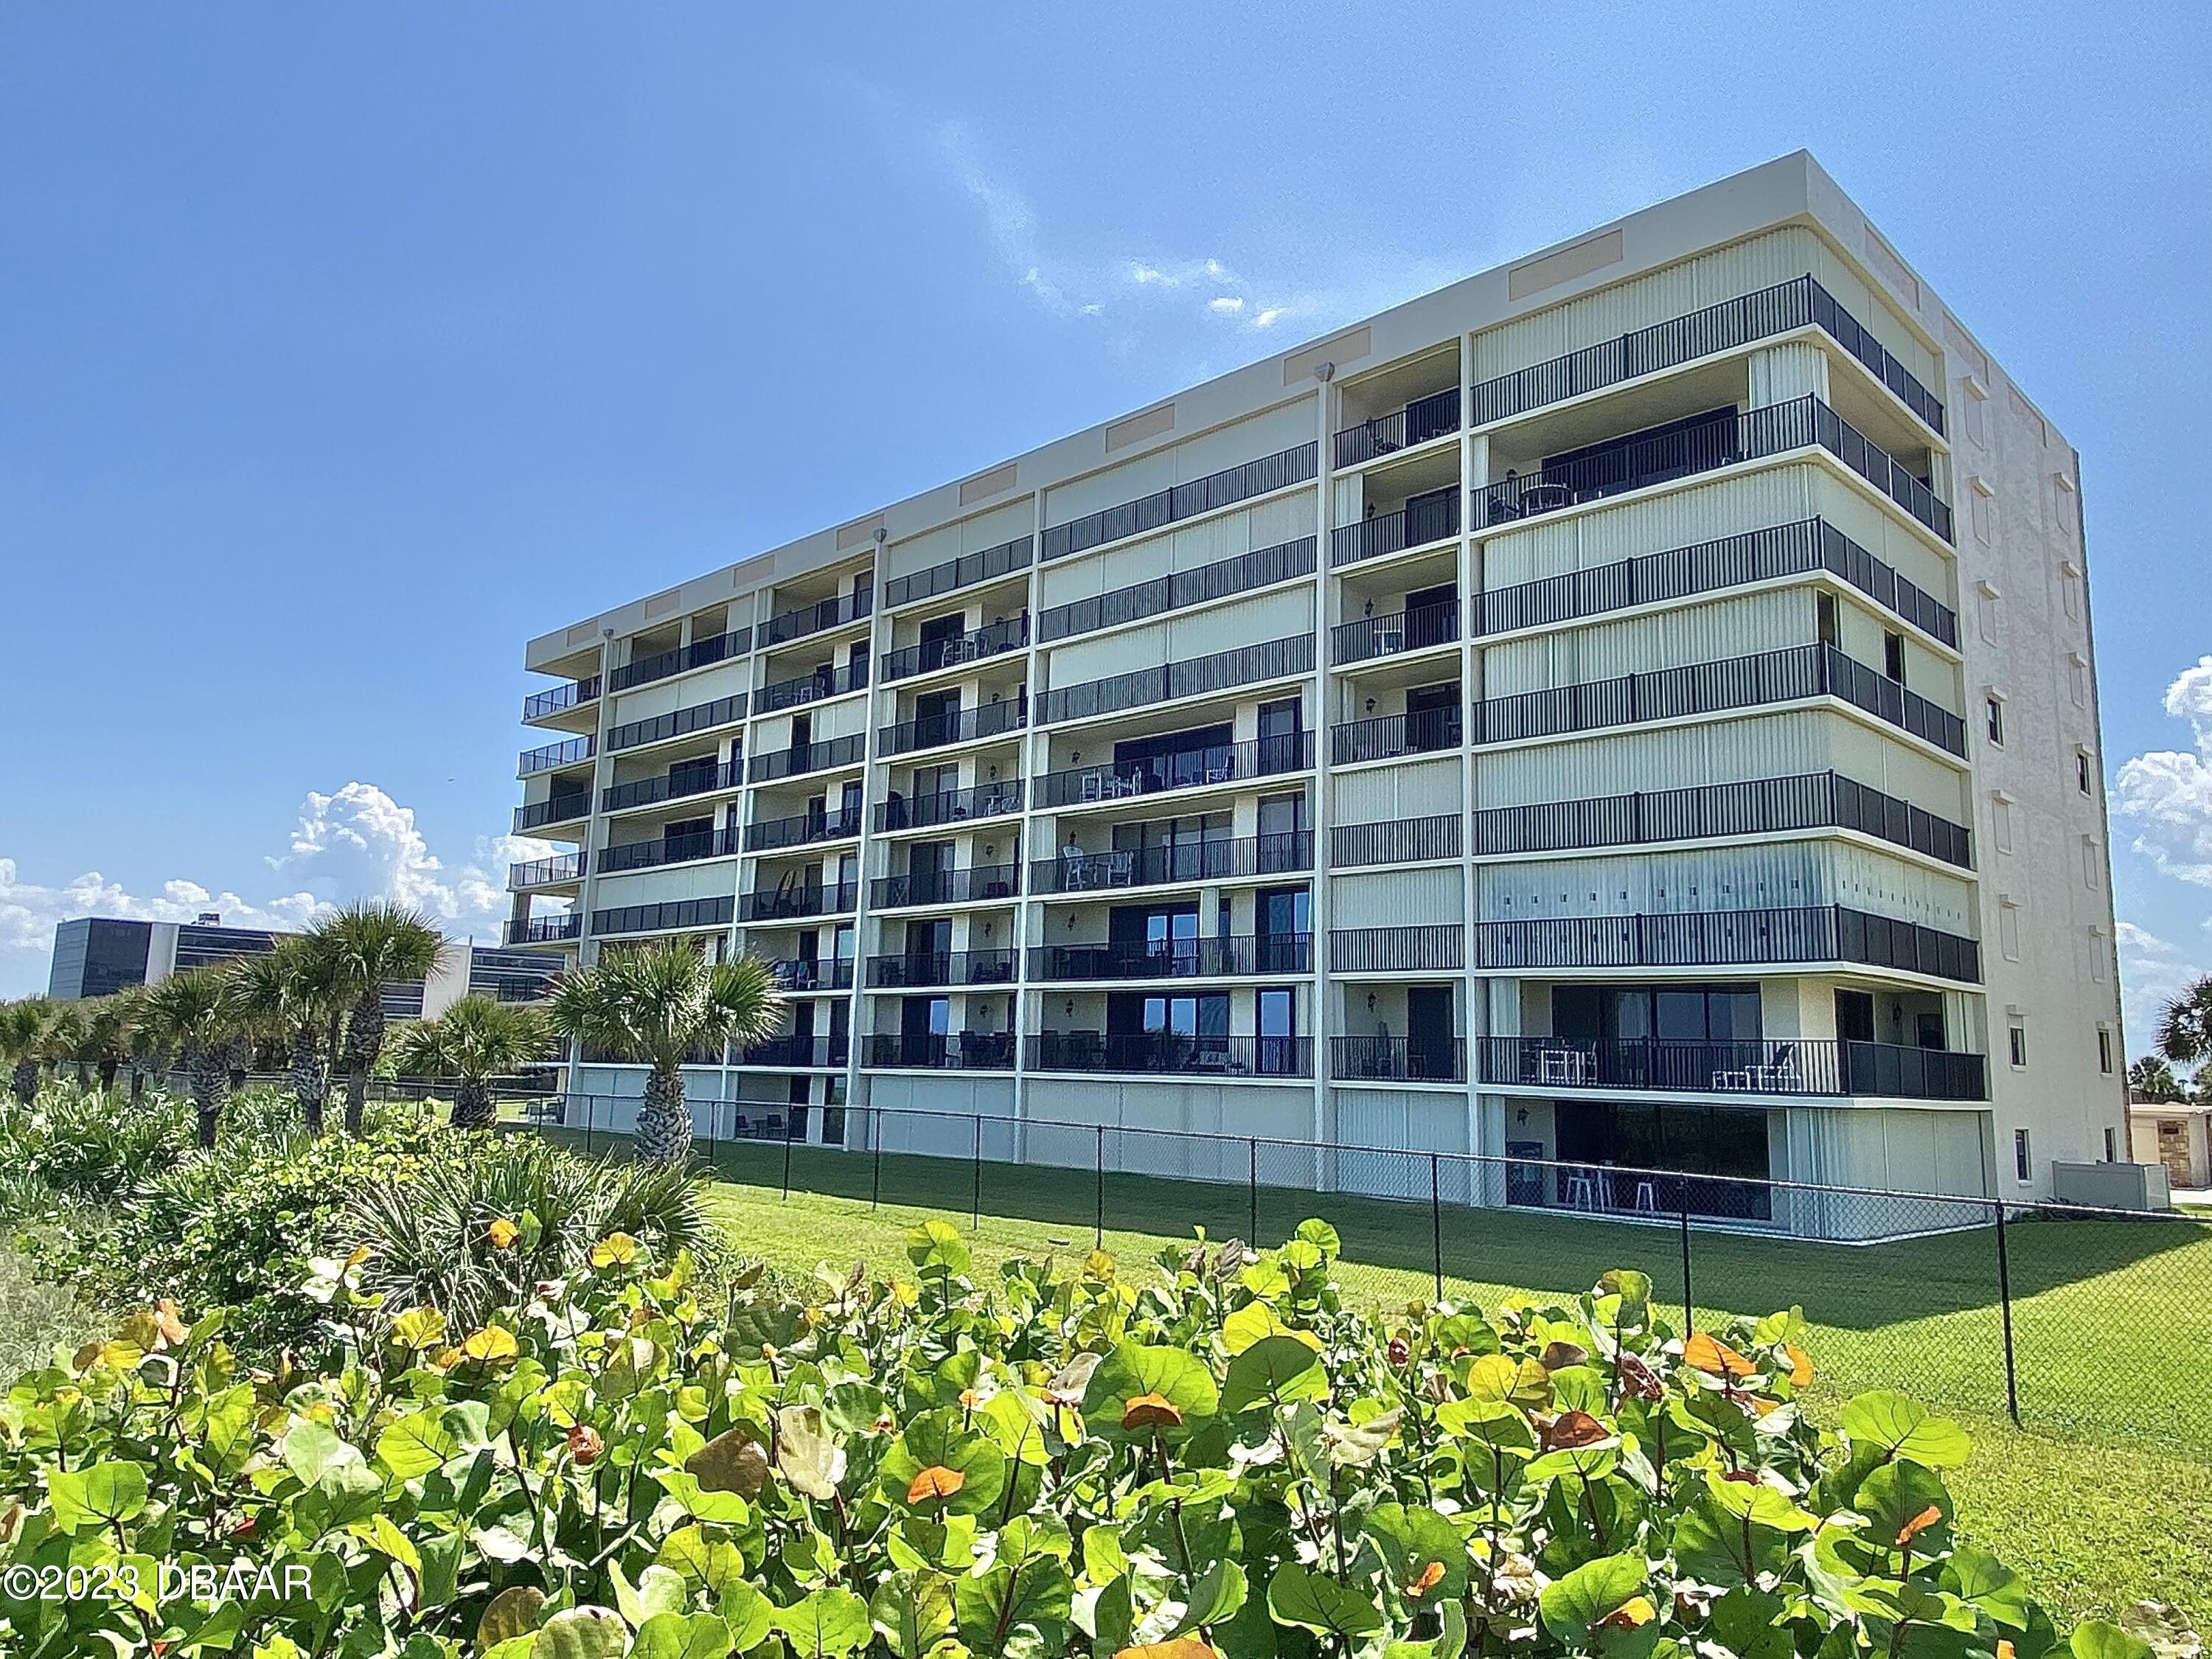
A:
<point x="986" y="800"/>
<point x="1772" y="1066"/>
<point x="1186" y="769"/>
<point x="1427" y="948"/>
<point x="669" y="849"/>
<point x="699" y="654"/>
<point x="573" y="694"/>
<point x="1171" y="1054"/>
<point x="1185" y="500"/>
<point x="677" y="723"/>
<point x="1809" y="800"/>
<point x="806" y="619"/>
<point x="1398" y="1058"/>
<point x="1787" y="550"/>
<point x="1219" y="859"/>
<point x="978" y="883"/>
<point x="1173" y="682"/>
<point x="988" y="720"/>
<point x="801" y="829"/>
<point x="1397" y="841"/>
<point x="979" y="645"/>
<point x="1416" y="525"/>
<point x="797" y="900"/>
<point x="800" y="759"/>
<point x="545" y="930"/>
<point x="557" y="809"/>
<point x="1387" y="737"/>
<point x="813" y="688"/>
<point x="1262" y="567"/>
<point x="1221" y="956"/>
<point x="1424" y="418"/>
<point x="670" y="916"/>
<point x="1799" y="302"/>
<point x="1820" y="933"/>
<point x="941" y="1051"/>
<point x="1721" y="438"/>
<point x="545" y="873"/>
<point x="793" y="1052"/>
<point x="675" y="784"/>
<point x="963" y="572"/>
<point x="545" y="758"/>
<point x="1413" y="630"/>
<point x="804" y="974"/>
<point x="915" y="969"/>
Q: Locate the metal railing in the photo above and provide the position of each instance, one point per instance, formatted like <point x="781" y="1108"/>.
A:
<point x="669" y="849"/>
<point x="963" y="572"/>
<point x="1397" y="841"/>
<point x="985" y="801"/>
<point x="806" y="619"/>
<point x="1171" y="1054"/>
<point x="1689" y="939"/>
<point x="801" y="829"/>
<point x="1193" y="677"/>
<point x="1262" y="567"/>
<point x="678" y="783"/>
<point x="988" y="720"/>
<point x="1224" y="489"/>
<point x="1398" y="1058"/>
<point x="677" y="723"/>
<point x="941" y="1051"/>
<point x="799" y="758"/>
<point x="545" y="930"/>
<point x="1387" y="737"/>
<point x="798" y="1053"/>
<point x="1185" y="769"/>
<point x="913" y="969"/>
<point x="802" y="975"/>
<point x="1426" y="948"/>
<point x="1772" y="1066"/>
<point x="557" y="809"/>
<point x="672" y="915"/>
<point x="799" y="900"/>
<point x="1221" y="956"/>
<point x="1386" y="533"/>
<point x="1076" y="870"/>
<point x="822" y="683"/>
<point x="549" y="756"/>
<point x="978" y="883"/>
<point x="1422" y="419"/>
<point x="1731" y="323"/>
<point x="681" y="659"/>
<point x="979" y="645"/>
<point x="545" y="873"/>
<point x="1756" y="555"/>
<point x="1413" y="630"/>
<point x="574" y="694"/>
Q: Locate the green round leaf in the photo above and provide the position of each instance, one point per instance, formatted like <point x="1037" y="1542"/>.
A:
<point x="1572" y="1606"/>
<point x="1130" y="1374"/>
<point x="828" y="1622"/>
<point x="1904" y="1428"/>
<point x="1277" y="1368"/>
<point x="1296" y="1595"/>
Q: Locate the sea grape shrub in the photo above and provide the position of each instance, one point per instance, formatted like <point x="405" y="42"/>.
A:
<point x="1219" y="1458"/>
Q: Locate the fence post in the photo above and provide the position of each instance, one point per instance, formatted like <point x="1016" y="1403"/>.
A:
<point x="590" y="1117"/>
<point x="1099" y="1229"/>
<point x="787" y="1160"/>
<point x="876" y="1178"/>
<point x="1689" y="1304"/>
<point x="1252" y="1185"/>
<point x="713" y="1128"/>
<point x="976" y="1200"/>
<point x="1437" y="1221"/>
<point x="2004" y="1301"/>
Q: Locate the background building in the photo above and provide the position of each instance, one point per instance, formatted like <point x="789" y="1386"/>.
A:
<point x="1635" y="706"/>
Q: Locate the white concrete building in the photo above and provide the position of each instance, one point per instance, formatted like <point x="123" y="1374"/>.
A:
<point x="1633" y="707"/>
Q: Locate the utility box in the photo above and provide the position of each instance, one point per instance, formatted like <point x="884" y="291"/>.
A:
<point x="2111" y="1186"/>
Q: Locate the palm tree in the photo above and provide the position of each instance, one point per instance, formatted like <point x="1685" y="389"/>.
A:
<point x="197" y="1012"/>
<point x="659" y="1002"/>
<point x="2185" y="1029"/>
<point x="107" y="1034"/>
<point x="367" y="946"/>
<point x="62" y="1042"/>
<point x="23" y="1029"/>
<point x="2152" y="1079"/>
<point x="473" y="1042"/>
<point x="148" y="1044"/>
<point x="288" y="995"/>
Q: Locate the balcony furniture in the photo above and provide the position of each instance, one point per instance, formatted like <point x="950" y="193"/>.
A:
<point x="1566" y="1067"/>
<point x="1647" y="1198"/>
<point x="1582" y="1193"/>
<point x="1545" y="498"/>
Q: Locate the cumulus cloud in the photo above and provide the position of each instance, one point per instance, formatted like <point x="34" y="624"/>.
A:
<point x="2153" y="972"/>
<point x="355" y="843"/>
<point x="2168" y="791"/>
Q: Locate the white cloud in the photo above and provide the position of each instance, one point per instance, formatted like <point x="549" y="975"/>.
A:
<point x="2168" y="791"/>
<point x="355" y="843"/>
<point x="2153" y="972"/>
<point x="1227" y="305"/>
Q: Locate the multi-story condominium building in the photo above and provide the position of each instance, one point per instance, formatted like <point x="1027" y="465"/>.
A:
<point x="1632" y="707"/>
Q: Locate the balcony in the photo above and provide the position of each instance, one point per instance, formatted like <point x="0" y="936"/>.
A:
<point x="1436" y="519"/>
<point x="1416" y="629"/>
<point x="940" y="1051"/>
<point x="1695" y="939"/>
<point x="987" y="801"/>
<point x="1223" y="957"/>
<point x="803" y="975"/>
<point x="1389" y="737"/>
<point x="1433" y="947"/>
<point x="669" y="849"/>
<point x="1398" y="1059"/>
<point x="1224" y="579"/>
<point x="979" y="646"/>
<point x="1186" y="769"/>
<point x="545" y="930"/>
<point x="1776" y="1066"/>
<point x="1176" y="863"/>
<point x="1420" y="421"/>
<point x="1185" y="500"/>
<point x="798" y="900"/>
<point x="918" y="969"/>
<point x="1430" y="840"/>
<point x="965" y="571"/>
<point x="988" y="720"/>
<point x="555" y="872"/>
<point x="678" y="783"/>
<point x="558" y="809"/>
<point x="1701" y="445"/>
<point x="807" y="619"/>
<point x="1174" y="682"/>
<point x="801" y="829"/>
<point x="801" y="758"/>
<point x="1171" y="1054"/>
<point x="552" y="755"/>
<point x="662" y="665"/>
<point x="541" y="705"/>
<point x="821" y="684"/>
<point x="1771" y="311"/>
<point x="978" y="883"/>
<point x="677" y="723"/>
<point x="792" y="1052"/>
<point x="673" y="915"/>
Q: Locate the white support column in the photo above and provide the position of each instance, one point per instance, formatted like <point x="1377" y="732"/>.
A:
<point x="1324" y="1017"/>
<point x="1033" y="750"/>
<point x="879" y="638"/>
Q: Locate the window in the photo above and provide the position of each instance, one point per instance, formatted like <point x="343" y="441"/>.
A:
<point x="2105" y="1065"/>
<point x="1824" y="618"/>
<point x="2016" y="1038"/>
<point x="2022" y="1166"/>
<point x="1892" y="656"/>
<point x="2112" y="1148"/>
<point x="2082" y="772"/>
<point x="1993" y="722"/>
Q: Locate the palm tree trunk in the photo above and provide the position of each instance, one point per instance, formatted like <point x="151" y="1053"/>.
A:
<point x="664" y="1123"/>
<point x="107" y="1071"/>
<point x="364" y="1042"/>
<point x="473" y="1108"/>
<point x="308" y="1079"/>
<point x="205" y="1069"/>
<point x="137" y="1084"/>
<point x="25" y="1081"/>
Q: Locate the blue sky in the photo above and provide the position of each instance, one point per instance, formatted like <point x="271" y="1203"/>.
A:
<point x="340" y="350"/>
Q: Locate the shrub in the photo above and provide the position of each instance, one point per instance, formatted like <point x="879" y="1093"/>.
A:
<point x="1222" y="1460"/>
<point x="86" y="1145"/>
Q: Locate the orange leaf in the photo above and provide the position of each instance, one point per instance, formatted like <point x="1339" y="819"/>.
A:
<point x="1183" y="1647"/>
<point x="1424" y="1581"/>
<point x="1570" y="1430"/>
<point x="1715" y="1358"/>
<point x="2005" y="1648"/>
<point x="969" y="1399"/>
<point x="1801" y="1366"/>
<point x="1152" y="1411"/>
<point x="936" y="1483"/>
<point x="1636" y="1611"/>
<point x="172" y="1328"/>
<point x="1919" y="1523"/>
